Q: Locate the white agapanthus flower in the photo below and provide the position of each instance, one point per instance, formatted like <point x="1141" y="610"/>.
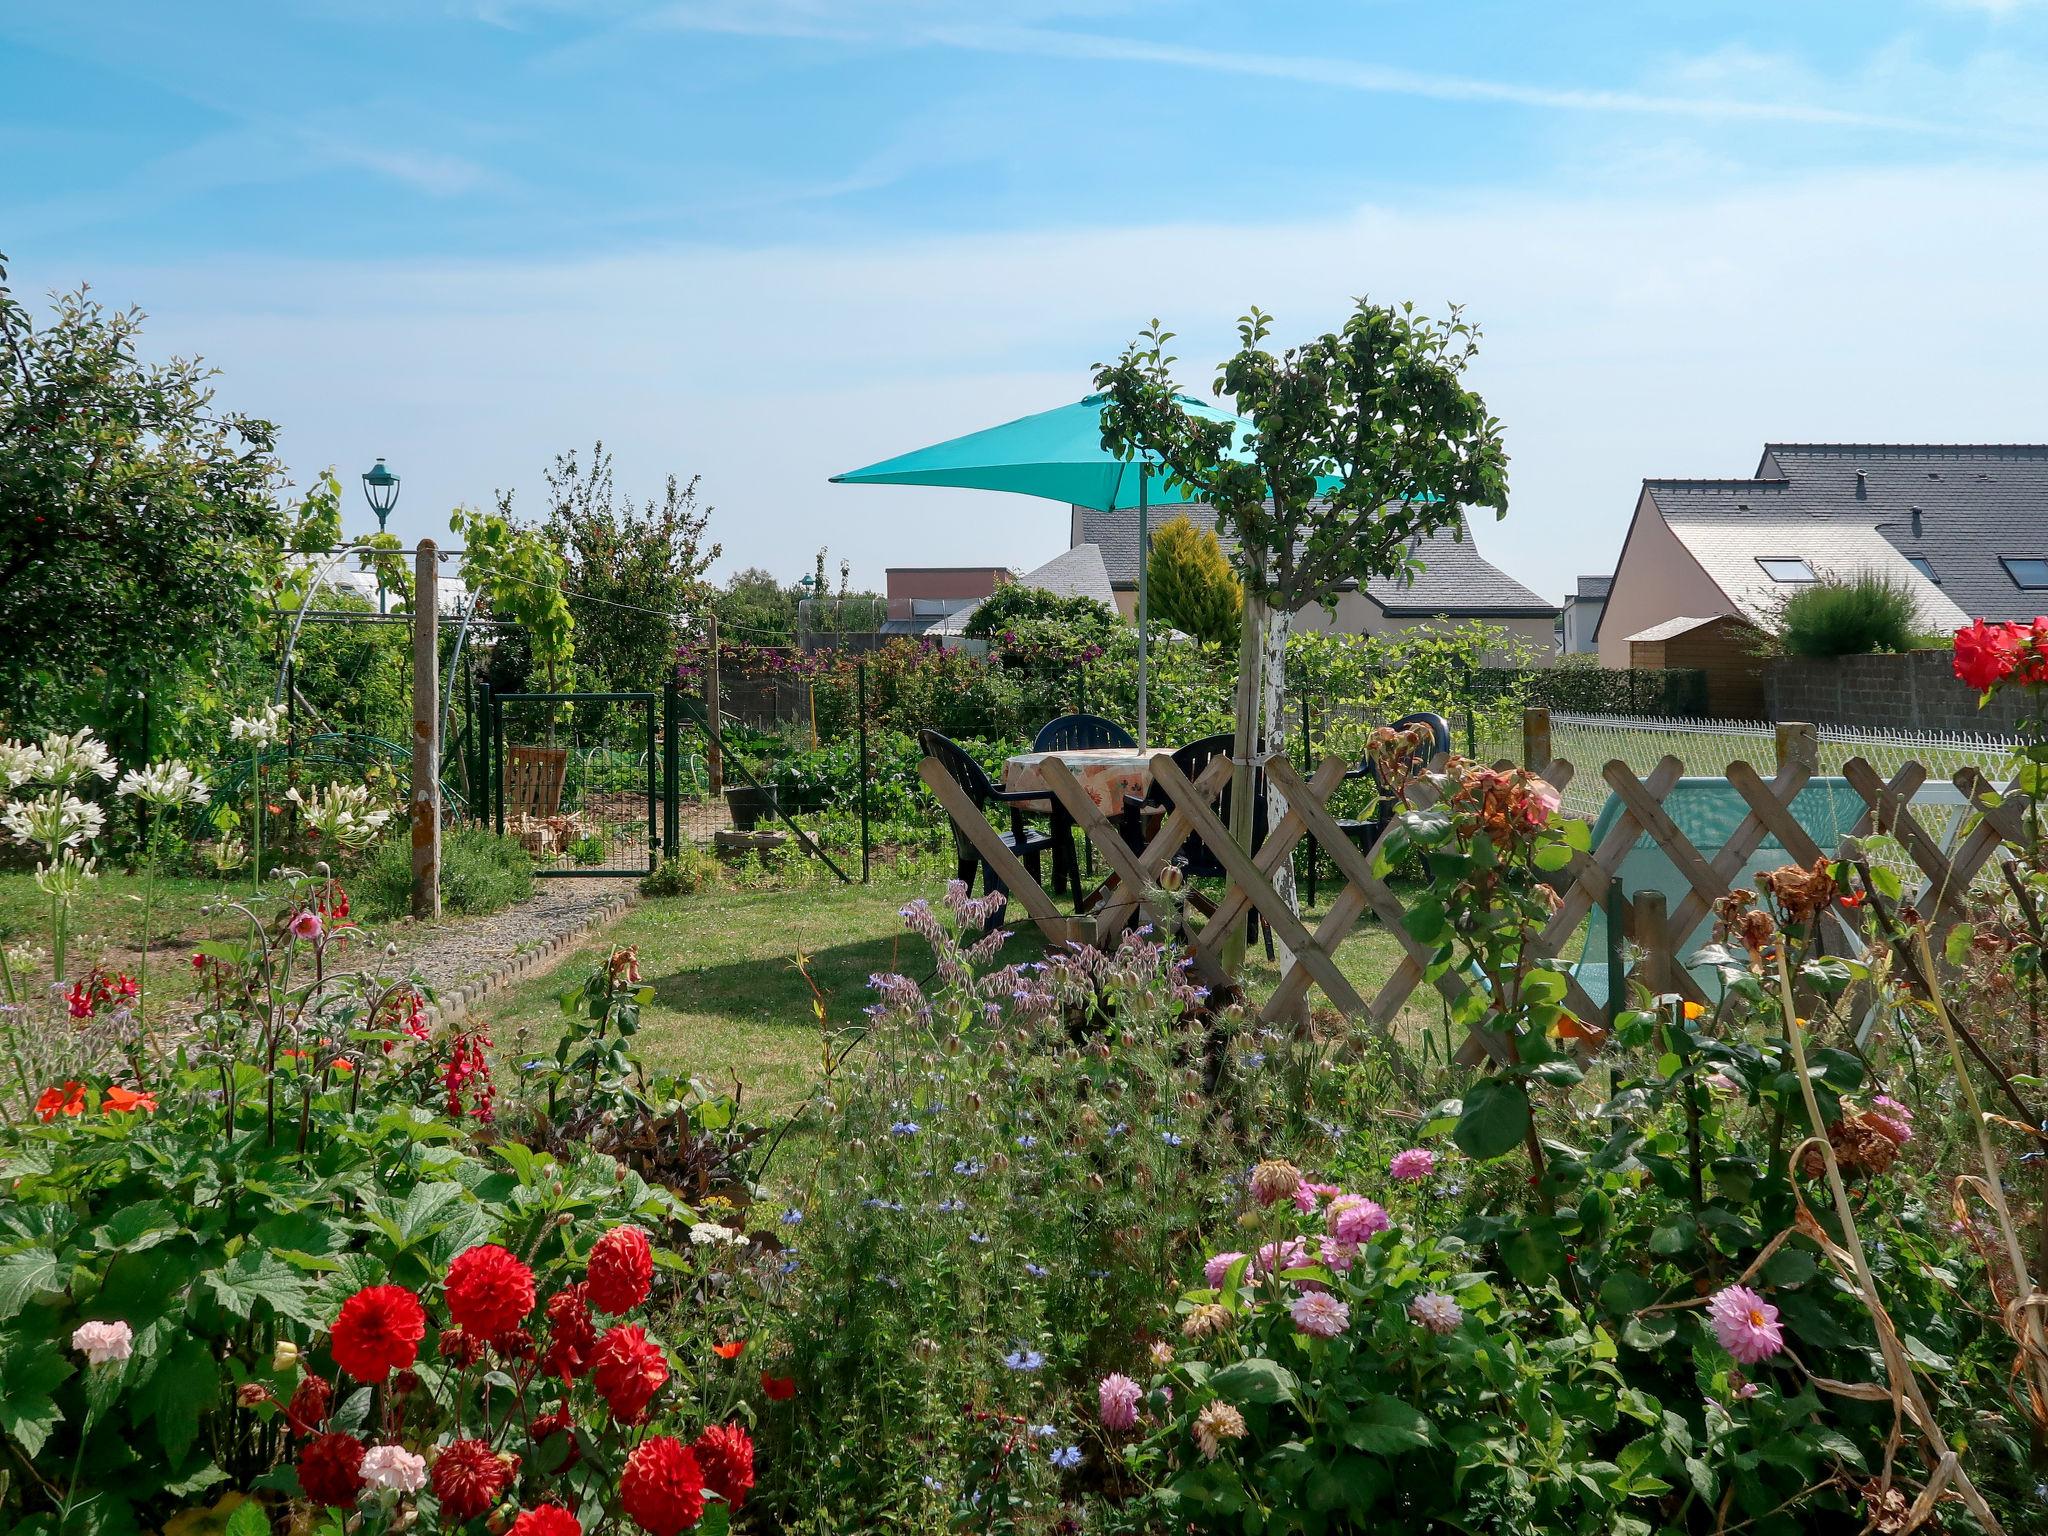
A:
<point x="168" y="783"/>
<point x="258" y="730"/>
<point x="19" y="761"/>
<point x="67" y="760"/>
<point x="54" y="820"/>
<point x="65" y="880"/>
<point x="340" y="813"/>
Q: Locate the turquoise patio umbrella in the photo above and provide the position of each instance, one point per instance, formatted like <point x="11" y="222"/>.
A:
<point x="1057" y="454"/>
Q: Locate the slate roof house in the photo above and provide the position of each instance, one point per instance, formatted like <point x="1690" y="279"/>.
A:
<point x="1455" y="582"/>
<point x="1581" y="617"/>
<point x="1964" y="527"/>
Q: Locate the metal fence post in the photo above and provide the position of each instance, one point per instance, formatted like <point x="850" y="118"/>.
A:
<point x="861" y="672"/>
<point x="671" y="771"/>
<point x="496" y="771"/>
<point x="426" y="732"/>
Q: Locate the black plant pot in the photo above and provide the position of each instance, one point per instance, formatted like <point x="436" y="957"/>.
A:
<point x="748" y="805"/>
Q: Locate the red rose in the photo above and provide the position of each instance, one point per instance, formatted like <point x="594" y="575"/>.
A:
<point x="662" y="1488"/>
<point x="1986" y="654"/>
<point x="621" y="1270"/>
<point x="726" y="1455"/>
<point x="571" y="1336"/>
<point x="628" y="1369"/>
<point x="548" y="1520"/>
<point x="548" y="1425"/>
<point x="331" y="1470"/>
<point x="489" y="1291"/>
<point x="311" y="1402"/>
<point x="378" y="1332"/>
<point x="468" y="1478"/>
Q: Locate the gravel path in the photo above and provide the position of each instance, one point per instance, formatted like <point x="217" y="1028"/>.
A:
<point x="462" y="957"/>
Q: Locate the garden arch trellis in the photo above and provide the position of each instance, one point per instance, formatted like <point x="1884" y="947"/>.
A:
<point x="1130" y="891"/>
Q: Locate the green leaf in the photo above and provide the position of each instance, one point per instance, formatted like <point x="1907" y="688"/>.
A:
<point x="1494" y="1119"/>
<point x="251" y="1277"/>
<point x="1256" y="1380"/>
<point x="32" y="1372"/>
<point x="1958" y="944"/>
<point x="248" y="1520"/>
<point x="1386" y="1426"/>
<point x="1533" y="1254"/>
<point x="186" y="1383"/>
<point x="30" y="1272"/>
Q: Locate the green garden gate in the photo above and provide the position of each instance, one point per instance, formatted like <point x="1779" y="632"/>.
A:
<point x="586" y="782"/>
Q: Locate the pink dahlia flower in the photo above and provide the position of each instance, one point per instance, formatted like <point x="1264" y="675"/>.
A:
<point x="1436" y="1312"/>
<point x="1746" y="1324"/>
<point x="1217" y="1270"/>
<point x="1321" y="1314"/>
<point x="1413" y="1166"/>
<point x="1355" y="1219"/>
<point x="1117" y="1399"/>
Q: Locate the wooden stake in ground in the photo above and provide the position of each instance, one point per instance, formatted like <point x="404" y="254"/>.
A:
<point x="714" y="756"/>
<point x="426" y="732"/>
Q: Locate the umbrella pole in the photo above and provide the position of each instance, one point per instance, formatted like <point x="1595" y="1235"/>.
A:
<point x="1144" y="603"/>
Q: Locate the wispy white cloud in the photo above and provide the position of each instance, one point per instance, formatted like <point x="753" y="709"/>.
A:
<point x="1626" y="336"/>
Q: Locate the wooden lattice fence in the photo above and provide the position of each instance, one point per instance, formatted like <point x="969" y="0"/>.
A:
<point x="1131" y="890"/>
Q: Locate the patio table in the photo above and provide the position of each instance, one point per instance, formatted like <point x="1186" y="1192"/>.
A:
<point x="1106" y="773"/>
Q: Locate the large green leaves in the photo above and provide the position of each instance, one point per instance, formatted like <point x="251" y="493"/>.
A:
<point x="1494" y="1120"/>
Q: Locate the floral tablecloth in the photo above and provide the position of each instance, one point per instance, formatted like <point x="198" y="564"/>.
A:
<point x="1106" y="773"/>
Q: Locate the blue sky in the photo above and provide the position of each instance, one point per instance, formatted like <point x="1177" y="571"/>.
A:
<point x="767" y="239"/>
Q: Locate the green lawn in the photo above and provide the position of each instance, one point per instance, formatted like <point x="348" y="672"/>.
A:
<point x="106" y="926"/>
<point x="731" y="1002"/>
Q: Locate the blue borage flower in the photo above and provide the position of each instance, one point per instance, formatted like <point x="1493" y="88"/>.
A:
<point x="1044" y="1431"/>
<point x="1036" y="1271"/>
<point x="1024" y="1360"/>
<point x="1027" y="1142"/>
<point x="1169" y="1138"/>
<point x="1067" y="1456"/>
<point x="968" y="1168"/>
<point x="905" y="1128"/>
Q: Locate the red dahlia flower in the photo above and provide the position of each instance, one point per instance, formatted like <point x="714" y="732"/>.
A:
<point x="628" y="1369"/>
<point x="556" y="1422"/>
<point x="1986" y="654"/>
<point x="621" y="1270"/>
<point x="489" y="1291"/>
<point x="311" y="1402"/>
<point x="726" y="1455"/>
<point x="469" y="1477"/>
<point x="662" y="1488"/>
<point x="331" y="1470"/>
<point x="548" y="1520"/>
<point x="379" y="1331"/>
<point x="459" y="1345"/>
<point x="571" y="1336"/>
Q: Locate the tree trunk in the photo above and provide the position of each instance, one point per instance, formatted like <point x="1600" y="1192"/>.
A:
<point x="1273" y="728"/>
<point x="1244" y="746"/>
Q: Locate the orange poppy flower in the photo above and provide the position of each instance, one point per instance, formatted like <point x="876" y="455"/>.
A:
<point x="126" y="1101"/>
<point x="780" y="1389"/>
<point x="729" y="1351"/>
<point x="1571" y="1027"/>
<point x="67" y="1100"/>
<point x="1694" y="1011"/>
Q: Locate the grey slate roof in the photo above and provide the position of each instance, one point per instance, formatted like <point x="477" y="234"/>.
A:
<point x="1454" y="581"/>
<point x="1977" y="502"/>
<point x="1592" y="587"/>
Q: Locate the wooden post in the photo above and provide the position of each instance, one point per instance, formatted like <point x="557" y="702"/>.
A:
<point x="1653" y="938"/>
<point x="426" y="732"/>
<point x="714" y="758"/>
<point x="1536" y="753"/>
<point x="1797" y="743"/>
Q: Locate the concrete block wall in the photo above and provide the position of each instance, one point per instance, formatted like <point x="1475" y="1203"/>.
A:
<point x="1909" y="691"/>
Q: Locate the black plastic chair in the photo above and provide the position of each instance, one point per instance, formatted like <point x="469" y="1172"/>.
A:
<point x="1077" y="733"/>
<point x="1196" y="859"/>
<point x="1367" y="831"/>
<point x="973" y="778"/>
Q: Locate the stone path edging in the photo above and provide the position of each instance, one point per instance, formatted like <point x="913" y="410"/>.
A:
<point x="459" y="1002"/>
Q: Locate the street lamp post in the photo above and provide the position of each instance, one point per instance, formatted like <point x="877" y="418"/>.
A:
<point x="380" y="487"/>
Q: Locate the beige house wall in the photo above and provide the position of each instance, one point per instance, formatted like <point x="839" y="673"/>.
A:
<point x="1657" y="579"/>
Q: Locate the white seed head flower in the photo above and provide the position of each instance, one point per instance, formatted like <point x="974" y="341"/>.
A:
<point x="53" y="820"/>
<point x="19" y="761"/>
<point x="706" y="1234"/>
<point x="168" y="783"/>
<point x="1216" y="1426"/>
<point x="258" y="730"/>
<point x="395" y="1468"/>
<point x="67" y="760"/>
<point x="102" y="1342"/>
